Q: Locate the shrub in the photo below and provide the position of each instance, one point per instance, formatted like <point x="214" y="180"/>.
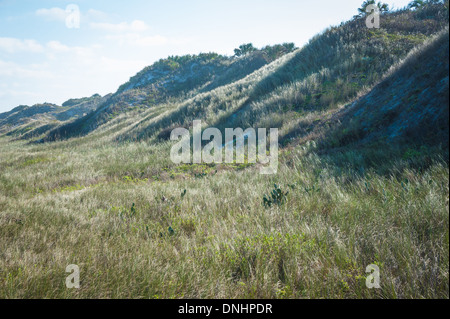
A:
<point x="276" y="197"/>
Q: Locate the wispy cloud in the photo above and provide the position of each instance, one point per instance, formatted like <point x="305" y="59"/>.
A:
<point x="60" y="14"/>
<point x="57" y="46"/>
<point x="36" y="71"/>
<point x="61" y="71"/>
<point x="135" y="39"/>
<point x="13" y="45"/>
<point x="53" y="13"/>
<point x="135" y="26"/>
<point x="96" y="15"/>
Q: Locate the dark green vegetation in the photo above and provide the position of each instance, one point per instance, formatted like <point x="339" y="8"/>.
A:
<point x="363" y="176"/>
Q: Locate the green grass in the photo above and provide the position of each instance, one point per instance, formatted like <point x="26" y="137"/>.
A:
<point x="145" y="238"/>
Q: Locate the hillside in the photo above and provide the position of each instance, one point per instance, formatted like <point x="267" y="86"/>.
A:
<point x="363" y="176"/>
<point x="32" y="121"/>
<point x="167" y="80"/>
<point x="330" y="71"/>
<point x="410" y="106"/>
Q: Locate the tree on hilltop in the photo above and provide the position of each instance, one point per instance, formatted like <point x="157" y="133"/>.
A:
<point x="244" y="49"/>
<point x="382" y="7"/>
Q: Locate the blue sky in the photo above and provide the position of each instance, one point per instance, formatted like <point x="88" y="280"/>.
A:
<point x="44" y="60"/>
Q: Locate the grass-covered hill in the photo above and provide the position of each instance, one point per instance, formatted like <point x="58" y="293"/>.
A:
<point x="332" y="70"/>
<point x="29" y="122"/>
<point x="172" y="79"/>
<point x="410" y="105"/>
<point x="363" y="177"/>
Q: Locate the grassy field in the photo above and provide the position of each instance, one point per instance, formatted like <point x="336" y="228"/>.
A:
<point x="108" y="209"/>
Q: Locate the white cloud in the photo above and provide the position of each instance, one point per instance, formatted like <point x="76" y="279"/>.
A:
<point x="135" y="26"/>
<point x="53" y="14"/>
<point x="96" y="14"/>
<point x="56" y="51"/>
<point x="64" y="72"/>
<point x="57" y="46"/>
<point x="36" y="71"/>
<point x="136" y="39"/>
<point x="122" y="66"/>
<point x="14" y="93"/>
<point x="13" y="45"/>
<point x="60" y="14"/>
<point x="139" y="40"/>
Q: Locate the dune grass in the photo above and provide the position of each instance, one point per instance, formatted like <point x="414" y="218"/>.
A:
<point x="66" y="204"/>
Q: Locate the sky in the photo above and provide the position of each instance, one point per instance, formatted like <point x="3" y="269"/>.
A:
<point x="54" y="50"/>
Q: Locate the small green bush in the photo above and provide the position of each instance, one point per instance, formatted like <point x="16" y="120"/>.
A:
<point x="276" y="197"/>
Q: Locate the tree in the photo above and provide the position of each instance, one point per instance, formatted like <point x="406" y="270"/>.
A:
<point x="416" y="4"/>
<point x="383" y="7"/>
<point x="290" y="46"/>
<point x="419" y="4"/>
<point x="244" y="49"/>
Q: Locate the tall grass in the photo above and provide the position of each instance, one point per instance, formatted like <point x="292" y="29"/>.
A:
<point x="64" y="205"/>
